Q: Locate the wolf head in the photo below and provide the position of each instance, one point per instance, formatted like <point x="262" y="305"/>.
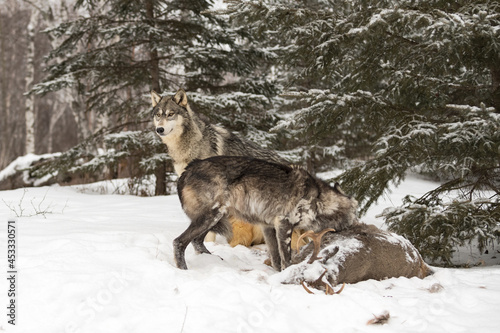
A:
<point x="169" y="113"/>
<point x="335" y="208"/>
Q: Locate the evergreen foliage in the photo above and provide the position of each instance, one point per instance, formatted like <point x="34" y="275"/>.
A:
<point x="116" y="51"/>
<point x="382" y="87"/>
<point x="415" y="82"/>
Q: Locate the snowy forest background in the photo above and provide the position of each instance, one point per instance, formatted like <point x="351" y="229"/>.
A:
<point x="374" y="88"/>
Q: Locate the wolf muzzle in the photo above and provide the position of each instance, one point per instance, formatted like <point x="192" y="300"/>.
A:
<point x="160" y="130"/>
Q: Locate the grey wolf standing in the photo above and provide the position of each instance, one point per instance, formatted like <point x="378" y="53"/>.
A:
<point x="276" y="196"/>
<point x="190" y="136"/>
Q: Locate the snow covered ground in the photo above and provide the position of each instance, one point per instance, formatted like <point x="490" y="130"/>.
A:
<point x="90" y="262"/>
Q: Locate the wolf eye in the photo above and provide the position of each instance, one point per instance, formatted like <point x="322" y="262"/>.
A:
<point x="170" y="114"/>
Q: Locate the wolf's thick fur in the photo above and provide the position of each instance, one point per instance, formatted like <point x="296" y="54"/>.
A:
<point x="276" y="196"/>
<point x="190" y="136"/>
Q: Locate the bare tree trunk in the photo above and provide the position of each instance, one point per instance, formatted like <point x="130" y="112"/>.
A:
<point x="3" y="98"/>
<point x="79" y="109"/>
<point x="495" y="82"/>
<point x="56" y="113"/>
<point x="153" y="53"/>
<point x="13" y="22"/>
<point x="30" y="76"/>
<point x="160" y="173"/>
<point x="58" y="108"/>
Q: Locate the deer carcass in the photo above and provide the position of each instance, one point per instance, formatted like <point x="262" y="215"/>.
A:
<point x="359" y="253"/>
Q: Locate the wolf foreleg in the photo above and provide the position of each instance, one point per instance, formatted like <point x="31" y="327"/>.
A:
<point x="272" y="245"/>
<point x="284" y="231"/>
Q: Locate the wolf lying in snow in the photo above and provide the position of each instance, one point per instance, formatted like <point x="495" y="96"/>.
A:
<point x="276" y="196"/>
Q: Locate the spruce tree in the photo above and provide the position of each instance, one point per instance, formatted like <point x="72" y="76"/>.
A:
<point x="418" y="82"/>
<point x="117" y="51"/>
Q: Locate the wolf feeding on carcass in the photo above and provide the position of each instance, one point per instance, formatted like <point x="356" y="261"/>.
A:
<point x="276" y="196"/>
<point x="281" y="198"/>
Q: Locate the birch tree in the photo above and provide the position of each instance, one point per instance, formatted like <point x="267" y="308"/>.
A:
<point x="30" y="77"/>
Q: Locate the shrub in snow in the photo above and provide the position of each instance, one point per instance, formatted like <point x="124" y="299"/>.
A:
<point x="437" y="228"/>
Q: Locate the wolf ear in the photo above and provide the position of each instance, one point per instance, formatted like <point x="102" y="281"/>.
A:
<point x="155" y="98"/>
<point x="181" y="98"/>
